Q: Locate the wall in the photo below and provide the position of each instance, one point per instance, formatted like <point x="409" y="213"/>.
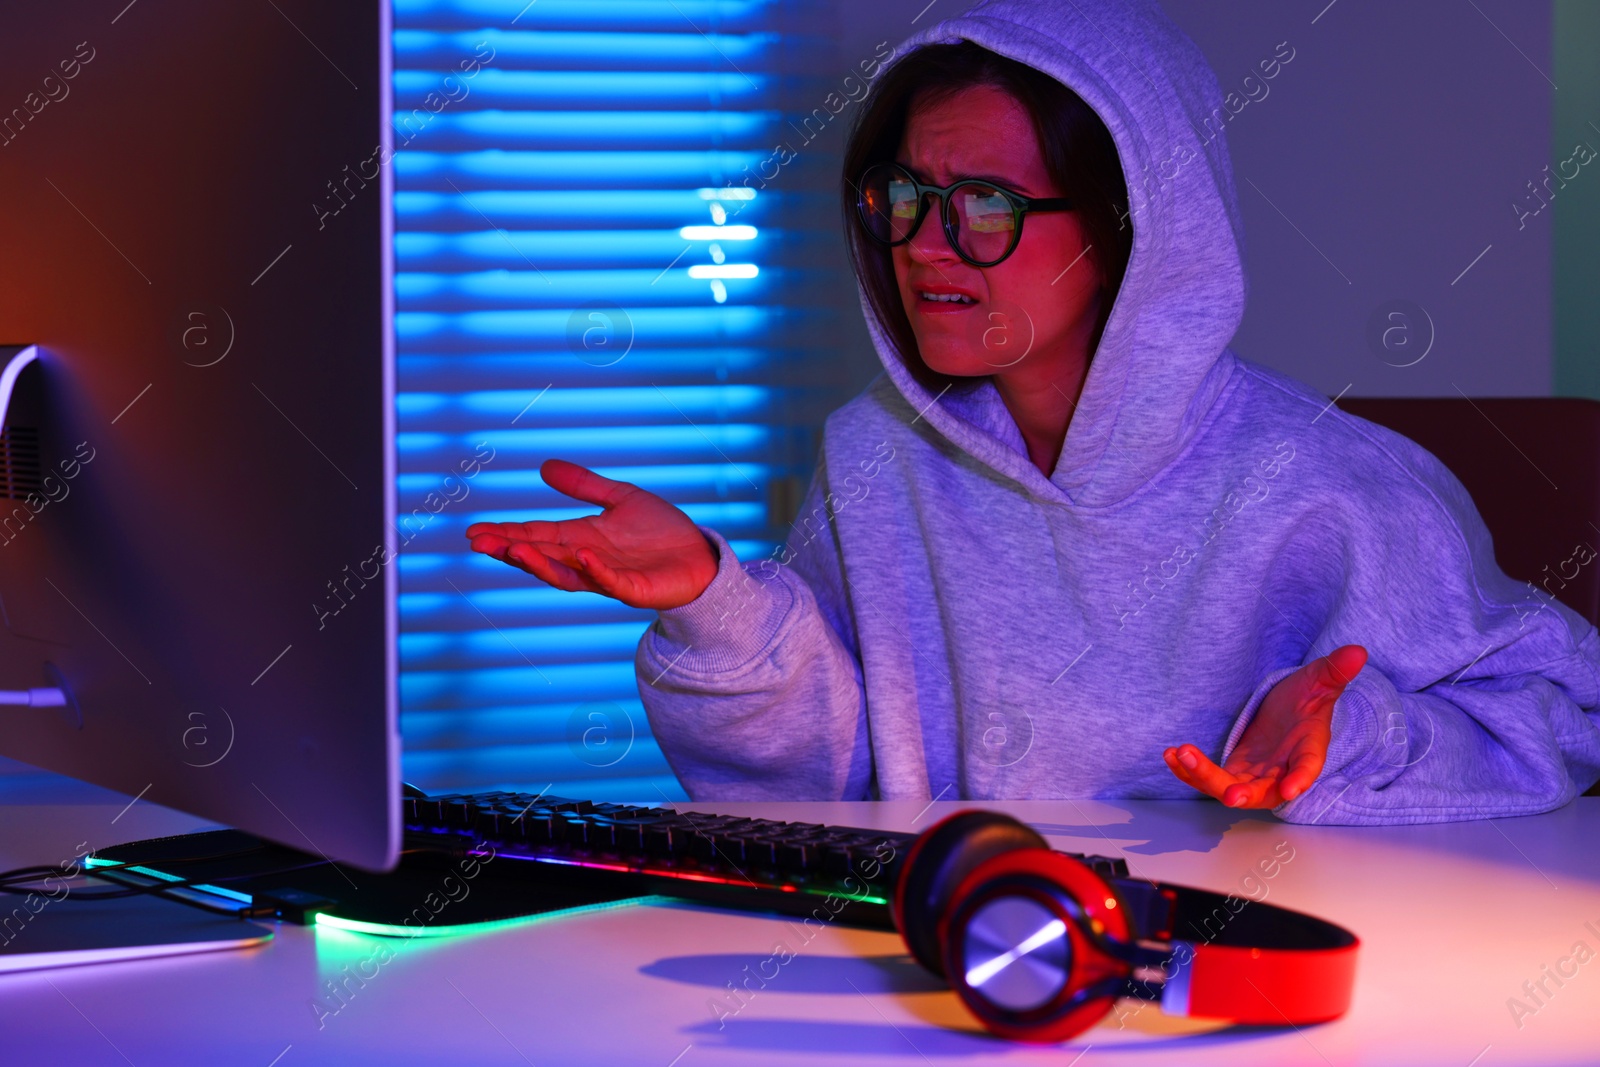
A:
<point x="1576" y="213"/>
<point x="1379" y="165"/>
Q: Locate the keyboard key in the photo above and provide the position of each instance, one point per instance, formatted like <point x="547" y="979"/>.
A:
<point x="703" y="847"/>
<point x="634" y="813"/>
<point x="489" y="825"/>
<point x="630" y="836"/>
<point x="730" y="850"/>
<point x="602" y="834"/>
<point x="457" y="813"/>
<point x="658" y="840"/>
<point x="539" y="828"/>
<point x="760" y="852"/>
<point x="575" y="806"/>
<point x="838" y="853"/>
<point x="794" y="855"/>
<point x="1108" y="868"/>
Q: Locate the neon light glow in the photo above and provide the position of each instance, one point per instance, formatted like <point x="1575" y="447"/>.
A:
<point x="724" y="270"/>
<point x="358" y="926"/>
<point x="148" y="872"/>
<point x="694" y="876"/>
<point x="566" y="178"/>
<point x="8" y="377"/>
<point x="717" y="233"/>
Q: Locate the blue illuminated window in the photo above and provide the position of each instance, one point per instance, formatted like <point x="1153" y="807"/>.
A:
<point x="585" y="269"/>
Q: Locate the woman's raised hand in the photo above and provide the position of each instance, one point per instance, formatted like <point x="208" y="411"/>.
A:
<point x="640" y="549"/>
<point x="1281" y="753"/>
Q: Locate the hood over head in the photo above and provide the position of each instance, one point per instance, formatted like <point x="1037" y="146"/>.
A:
<point x="1159" y="364"/>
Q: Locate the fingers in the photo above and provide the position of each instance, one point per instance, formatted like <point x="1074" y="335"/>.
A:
<point x="550" y="571"/>
<point x="566" y="478"/>
<point x="581" y="483"/>
<point x="491" y="544"/>
<point x="515" y="531"/>
<point x="1195" y="769"/>
<point x="560" y="566"/>
<point x="603" y="577"/>
<point x="1181" y="772"/>
<point x="1338" y="668"/>
<point x="1304" y="767"/>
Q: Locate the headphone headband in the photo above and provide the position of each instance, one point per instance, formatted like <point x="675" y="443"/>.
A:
<point x="1252" y="963"/>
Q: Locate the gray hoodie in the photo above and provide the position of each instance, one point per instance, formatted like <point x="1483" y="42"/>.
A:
<point x="945" y="621"/>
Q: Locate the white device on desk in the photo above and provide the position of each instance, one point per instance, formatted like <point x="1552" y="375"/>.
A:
<point x="134" y="928"/>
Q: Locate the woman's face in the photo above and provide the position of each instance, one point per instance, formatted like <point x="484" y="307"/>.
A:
<point x="1033" y="312"/>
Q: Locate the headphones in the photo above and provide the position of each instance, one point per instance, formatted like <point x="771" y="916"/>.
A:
<point x="1038" y="946"/>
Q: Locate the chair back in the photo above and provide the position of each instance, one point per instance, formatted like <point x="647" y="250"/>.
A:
<point x="1532" y="466"/>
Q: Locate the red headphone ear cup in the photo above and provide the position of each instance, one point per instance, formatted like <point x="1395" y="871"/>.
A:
<point x="937" y="862"/>
<point x="1043" y="881"/>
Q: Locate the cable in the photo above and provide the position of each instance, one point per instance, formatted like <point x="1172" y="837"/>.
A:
<point x="11" y="875"/>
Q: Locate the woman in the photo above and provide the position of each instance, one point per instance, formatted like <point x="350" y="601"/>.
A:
<point x="1069" y="544"/>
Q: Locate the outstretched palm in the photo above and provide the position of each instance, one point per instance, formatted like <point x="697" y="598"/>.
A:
<point x="1282" y="750"/>
<point x="640" y="549"/>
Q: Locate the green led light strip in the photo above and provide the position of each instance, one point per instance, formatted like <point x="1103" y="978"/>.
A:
<point x="858" y="898"/>
<point x="215" y="890"/>
<point x="334" y="922"/>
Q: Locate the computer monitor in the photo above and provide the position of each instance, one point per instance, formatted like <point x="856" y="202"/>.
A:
<point x="198" y="524"/>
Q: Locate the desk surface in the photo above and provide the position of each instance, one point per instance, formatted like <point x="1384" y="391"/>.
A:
<point x="1453" y="918"/>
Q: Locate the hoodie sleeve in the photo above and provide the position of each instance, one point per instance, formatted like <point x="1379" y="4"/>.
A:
<point x="754" y="688"/>
<point x="1480" y="697"/>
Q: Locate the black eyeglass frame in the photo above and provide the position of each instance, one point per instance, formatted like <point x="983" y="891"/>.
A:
<point x="1021" y="206"/>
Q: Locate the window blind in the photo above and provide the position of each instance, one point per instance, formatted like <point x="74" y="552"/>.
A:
<point x="599" y="257"/>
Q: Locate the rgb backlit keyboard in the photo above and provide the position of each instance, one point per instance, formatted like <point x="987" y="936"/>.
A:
<point x="718" y="859"/>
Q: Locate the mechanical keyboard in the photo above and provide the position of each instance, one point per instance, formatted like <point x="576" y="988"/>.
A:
<point x="473" y="858"/>
<point x="758" y="864"/>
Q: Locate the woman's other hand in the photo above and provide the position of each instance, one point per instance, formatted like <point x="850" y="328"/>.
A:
<point x="1282" y="750"/>
<point x="640" y="549"/>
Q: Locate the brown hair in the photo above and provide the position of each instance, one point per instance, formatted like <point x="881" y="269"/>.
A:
<point x="1078" y="151"/>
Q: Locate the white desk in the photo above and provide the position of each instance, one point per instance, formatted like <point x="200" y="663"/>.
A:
<point x="1453" y="920"/>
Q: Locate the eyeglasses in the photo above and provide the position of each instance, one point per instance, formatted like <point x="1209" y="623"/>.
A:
<point x="982" y="221"/>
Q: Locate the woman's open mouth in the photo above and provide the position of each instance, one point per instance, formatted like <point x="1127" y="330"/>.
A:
<point x="936" y="303"/>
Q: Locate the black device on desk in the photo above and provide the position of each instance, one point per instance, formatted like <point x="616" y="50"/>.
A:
<point x="516" y="854"/>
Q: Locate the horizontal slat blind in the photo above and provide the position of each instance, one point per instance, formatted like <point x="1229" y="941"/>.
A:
<point x="589" y="266"/>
